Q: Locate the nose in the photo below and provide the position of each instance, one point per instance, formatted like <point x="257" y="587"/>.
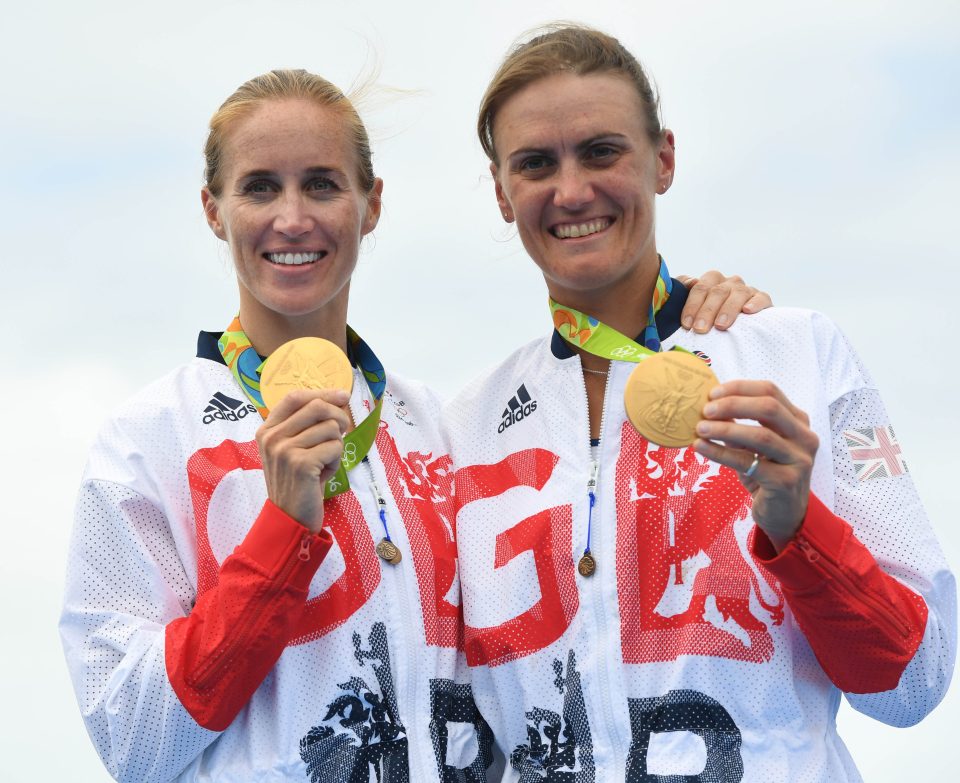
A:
<point x="293" y="217"/>
<point x="572" y="188"/>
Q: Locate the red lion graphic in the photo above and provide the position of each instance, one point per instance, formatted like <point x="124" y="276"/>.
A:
<point x="685" y="584"/>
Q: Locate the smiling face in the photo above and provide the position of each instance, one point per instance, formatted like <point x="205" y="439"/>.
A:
<point x="292" y="210"/>
<point x="579" y="173"/>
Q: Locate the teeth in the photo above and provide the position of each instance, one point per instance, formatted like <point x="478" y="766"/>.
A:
<point x="574" y="230"/>
<point x="294" y="259"/>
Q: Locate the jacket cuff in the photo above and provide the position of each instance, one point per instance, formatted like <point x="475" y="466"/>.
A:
<point x="276" y="539"/>
<point x="820" y="530"/>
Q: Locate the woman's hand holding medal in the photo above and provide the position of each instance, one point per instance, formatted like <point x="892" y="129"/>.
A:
<point x="774" y="460"/>
<point x="305" y="383"/>
<point x="301" y="443"/>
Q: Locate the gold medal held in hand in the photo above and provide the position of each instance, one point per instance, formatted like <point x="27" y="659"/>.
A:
<point x="304" y="363"/>
<point x="665" y="395"/>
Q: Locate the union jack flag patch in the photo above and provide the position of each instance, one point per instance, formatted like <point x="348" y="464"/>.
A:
<point x="875" y="452"/>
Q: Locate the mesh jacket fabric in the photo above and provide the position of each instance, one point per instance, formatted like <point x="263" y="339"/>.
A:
<point x="368" y="681"/>
<point x="685" y="654"/>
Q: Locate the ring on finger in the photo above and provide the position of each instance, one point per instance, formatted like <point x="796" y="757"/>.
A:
<point x="753" y="466"/>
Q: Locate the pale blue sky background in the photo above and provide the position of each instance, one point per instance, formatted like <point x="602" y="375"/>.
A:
<point x="817" y="156"/>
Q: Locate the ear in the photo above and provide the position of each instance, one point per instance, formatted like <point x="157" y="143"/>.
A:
<point x="505" y="209"/>
<point x="666" y="160"/>
<point x="374" y="205"/>
<point x="211" y="211"/>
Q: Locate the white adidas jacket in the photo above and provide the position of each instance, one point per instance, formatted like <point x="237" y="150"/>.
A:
<point x="693" y="650"/>
<point x="366" y="688"/>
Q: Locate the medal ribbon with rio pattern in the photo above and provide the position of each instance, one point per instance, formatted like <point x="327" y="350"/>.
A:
<point x="246" y="365"/>
<point x="585" y="331"/>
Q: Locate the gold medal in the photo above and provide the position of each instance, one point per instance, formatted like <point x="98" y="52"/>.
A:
<point x="388" y="551"/>
<point x="304" y="363"/>
<point x="665" y="395"/>
<point x="587" y="565"/>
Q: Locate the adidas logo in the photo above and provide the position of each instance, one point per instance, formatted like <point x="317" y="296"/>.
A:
<point x="226" y="409"/>
<point x="518" y="407"/>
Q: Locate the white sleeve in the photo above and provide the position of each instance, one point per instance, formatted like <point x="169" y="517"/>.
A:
<point x="877" y="496"/>
<point x="125" y="582"/>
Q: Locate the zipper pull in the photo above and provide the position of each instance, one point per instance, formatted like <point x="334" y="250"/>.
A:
<point x="809" y="552"/>
<point x="587" y="565"/>
<point x="593" y="481"/>
<point x="304" y="553"/>
<point x="379" y="498"/>
<point x="386" y="549"/>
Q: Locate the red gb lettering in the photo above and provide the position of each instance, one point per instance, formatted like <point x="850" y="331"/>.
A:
<point x="343" y="515"/>
<point x="685" y="584"/>
<point x="548" y="535"/>
<point x="422" y="485"/>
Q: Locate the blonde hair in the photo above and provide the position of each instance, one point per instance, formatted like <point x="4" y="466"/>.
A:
<point x="557" y="48"/>
<point x="279" y="85"/>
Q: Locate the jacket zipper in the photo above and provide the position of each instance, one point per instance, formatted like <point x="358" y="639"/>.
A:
<point x="407" y="659"/>
<point x="211" y="671"/>
<point x="879" y="610"/>
<point x="600" y="616"/>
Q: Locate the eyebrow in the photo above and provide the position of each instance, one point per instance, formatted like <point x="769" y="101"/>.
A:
<point x="312" y="170"/>
<point x="579" y="147"/>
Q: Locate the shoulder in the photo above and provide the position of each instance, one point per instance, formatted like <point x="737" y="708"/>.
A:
<point x="530" y="359"/>
<point x="157" y="420"/>
<point x="775" y="326"/>
<point x="506" y="386"/>
<point x="784" y="323"/>
<point x="172" y="394"/>
<point x="784" y="343"/>
<point x="411" y="406"/>
<point x="413" y="392"/>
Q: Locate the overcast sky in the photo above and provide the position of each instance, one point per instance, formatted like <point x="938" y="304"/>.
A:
<point x="817" y="157"/>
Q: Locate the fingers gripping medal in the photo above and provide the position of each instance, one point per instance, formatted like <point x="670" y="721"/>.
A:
<point x="304" y="363"/>
<point x="315" y="363"/>
<point x="665" y="395"/>
<point x="311" y="363"/>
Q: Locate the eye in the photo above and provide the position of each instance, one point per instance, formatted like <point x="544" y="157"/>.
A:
<point x="602" y="153"/>
<point x="259" y="187"/>
<point x="533" y="165"/>
<point x="321" y="185"/>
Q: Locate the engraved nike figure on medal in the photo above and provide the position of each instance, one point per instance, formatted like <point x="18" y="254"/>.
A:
<point x="304" y="363"/>
<point x="665" y="395"/>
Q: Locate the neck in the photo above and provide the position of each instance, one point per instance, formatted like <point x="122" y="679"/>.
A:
<point x="267" y="330"/>
<point x="624" y="306"/>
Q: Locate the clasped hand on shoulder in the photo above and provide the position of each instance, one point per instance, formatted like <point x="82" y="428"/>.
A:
<point x="716" y="301"/>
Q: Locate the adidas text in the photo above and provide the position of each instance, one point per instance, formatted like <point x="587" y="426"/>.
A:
<point x="226" y="408"/>
<point x="518" y="408"/>
<point x="229" y="415"/>
<point x="517" y="415"/>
